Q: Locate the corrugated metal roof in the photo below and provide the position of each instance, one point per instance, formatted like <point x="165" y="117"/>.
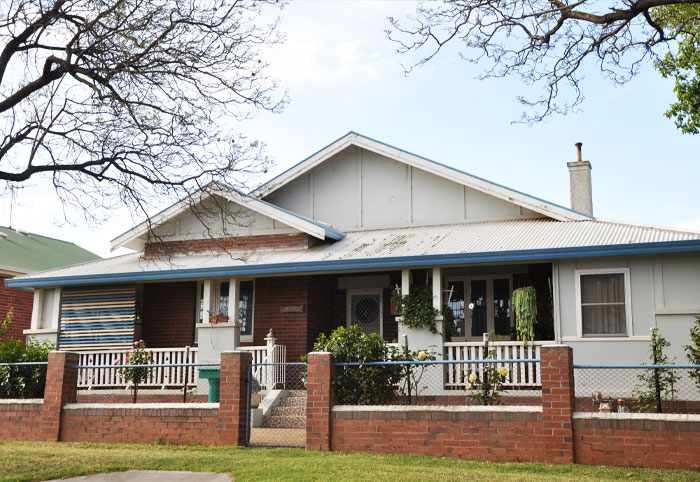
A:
<point x="387" y="244"/>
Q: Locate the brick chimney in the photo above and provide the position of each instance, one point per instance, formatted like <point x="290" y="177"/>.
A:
<point x="580" y="181"/>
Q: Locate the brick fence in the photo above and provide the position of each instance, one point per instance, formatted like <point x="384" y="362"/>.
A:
<point x="548" y="432"/>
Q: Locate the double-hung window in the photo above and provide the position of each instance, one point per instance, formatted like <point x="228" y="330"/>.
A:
<point x="603" y="302"/>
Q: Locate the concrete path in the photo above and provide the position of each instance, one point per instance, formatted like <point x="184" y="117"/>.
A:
<point x="151" y="476"/>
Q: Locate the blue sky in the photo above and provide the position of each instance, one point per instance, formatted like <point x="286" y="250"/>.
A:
<point x="342" y="74"/>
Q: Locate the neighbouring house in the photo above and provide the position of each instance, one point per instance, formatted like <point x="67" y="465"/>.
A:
<point x="22" y="252"/>
<point x="327" y="242"/>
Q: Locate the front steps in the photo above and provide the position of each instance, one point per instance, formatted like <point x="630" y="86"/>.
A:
<point x="290" y="412"/>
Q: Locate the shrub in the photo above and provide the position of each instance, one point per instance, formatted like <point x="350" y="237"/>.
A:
<point x="484" y="389"/>
<point x="657" y="384"/>
<point x="137" y="356"/>
<point x="416" y="308"/>
<point x="692" y="351"/>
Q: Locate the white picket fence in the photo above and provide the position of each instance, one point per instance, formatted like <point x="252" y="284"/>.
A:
<point x="161" y="377"/>
<point x="520" y="374"/>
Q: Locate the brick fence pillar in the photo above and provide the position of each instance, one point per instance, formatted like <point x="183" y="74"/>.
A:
<point x="61" y="388"/>
<point x="233" y="396"/>
<point x="558" y="402"/>
<point x="320" y="397"/>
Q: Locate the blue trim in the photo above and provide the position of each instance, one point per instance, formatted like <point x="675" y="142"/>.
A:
<point x="691" y="367"/>
<point x="437" y="362"/>
<point x="425" y="159"/>
<point x="365" y="263"/>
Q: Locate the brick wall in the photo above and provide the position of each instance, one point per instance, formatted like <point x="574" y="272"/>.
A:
<point x="237" y="243"/>
<point x="640" y="442"/>
<point x="495" y="436"/>
<point x="140" y="425"/>
<point x="21" y="303"/>
<point x="168" y="314"/>
<point x="322" y="308"/>
<point x="20" y="421"/>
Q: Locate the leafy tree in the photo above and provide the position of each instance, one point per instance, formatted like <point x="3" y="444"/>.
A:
<point x="692" y="351"/>
<point x="131" y="101"/>
<point x="657" y="384"/>
<point x="684" y="65"/>
<point x="548" y="43"/>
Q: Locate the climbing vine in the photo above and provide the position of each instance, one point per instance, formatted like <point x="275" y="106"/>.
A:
<point x="525" y="307"/>
<point x="416" y="308"/>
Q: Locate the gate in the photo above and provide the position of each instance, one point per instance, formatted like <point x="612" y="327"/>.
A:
<point x="276" y="411"/>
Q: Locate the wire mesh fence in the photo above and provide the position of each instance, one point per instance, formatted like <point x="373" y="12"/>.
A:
<point x="637" y="388"/>
<point x="25" y="380"/>
<point x="148" y="383"/>
<point x="277" y="405"/>
<point x="439" y="382"/>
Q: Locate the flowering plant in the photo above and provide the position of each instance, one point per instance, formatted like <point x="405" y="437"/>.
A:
<point x="484" y="388"/>
<point x="137" y="356"/>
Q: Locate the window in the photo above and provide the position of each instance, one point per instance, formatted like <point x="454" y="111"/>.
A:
<point x="603" y="302"/>
<point x="245" y="305"/>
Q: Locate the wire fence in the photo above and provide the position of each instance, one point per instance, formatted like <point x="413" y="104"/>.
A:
<point x="439" y="382"/>
<point x="148" y="383"/>
<point x="25" y="380"/>
<point x="637" y="388"/>
<point x="277" y="405"/>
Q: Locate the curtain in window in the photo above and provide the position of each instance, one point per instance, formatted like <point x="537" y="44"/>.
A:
<point x="603" y="304"/>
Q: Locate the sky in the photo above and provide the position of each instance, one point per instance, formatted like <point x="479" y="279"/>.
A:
<point x="342" y="74"/>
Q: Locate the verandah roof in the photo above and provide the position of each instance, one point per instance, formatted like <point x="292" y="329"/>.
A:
<point x="470" y="243"/>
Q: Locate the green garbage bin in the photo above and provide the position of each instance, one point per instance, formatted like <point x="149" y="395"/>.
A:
<point x="214" y="377"/>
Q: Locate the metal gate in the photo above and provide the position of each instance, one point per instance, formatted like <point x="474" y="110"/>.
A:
<point x="276" y="412"/>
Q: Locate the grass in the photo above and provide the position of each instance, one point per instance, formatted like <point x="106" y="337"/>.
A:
<point x="34" y="461"/>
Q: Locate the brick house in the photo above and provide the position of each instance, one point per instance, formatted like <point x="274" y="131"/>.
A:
<point x="21" y="253"/>
<point x="327" y="242"/>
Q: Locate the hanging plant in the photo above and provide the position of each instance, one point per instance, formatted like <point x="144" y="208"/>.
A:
<point x="416" y="308"/>
<point x="525" y="307"/>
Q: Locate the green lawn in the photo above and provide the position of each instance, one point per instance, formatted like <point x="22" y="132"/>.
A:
<point x="40" y="461"/>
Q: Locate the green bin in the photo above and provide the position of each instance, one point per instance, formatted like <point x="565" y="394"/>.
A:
<point x="214" y="377"/>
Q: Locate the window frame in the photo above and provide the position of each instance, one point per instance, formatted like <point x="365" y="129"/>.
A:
<point x="216" y="289"/>
<point x="628" y="301"/>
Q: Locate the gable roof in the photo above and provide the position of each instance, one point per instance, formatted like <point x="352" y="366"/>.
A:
<point x="24" y="254"/>
<point x="352" y="138"/>
<point x="314" y="228"/>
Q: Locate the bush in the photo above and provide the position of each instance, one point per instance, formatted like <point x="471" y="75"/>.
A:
<point x="692" y="351"/>
<point x="23" y="381"/>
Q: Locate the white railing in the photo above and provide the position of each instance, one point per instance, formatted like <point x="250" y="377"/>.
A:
<point x="268" y="377"/>
<point x="520" y="375"/>
<point x="162" y="377"/>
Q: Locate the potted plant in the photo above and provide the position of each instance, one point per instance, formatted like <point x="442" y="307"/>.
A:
<point x="525" y="308"/>
<point x="217" y="318"/>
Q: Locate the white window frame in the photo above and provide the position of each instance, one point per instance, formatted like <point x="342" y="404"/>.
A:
<point x="628" y="301"/>
<point x="374" y="291"/>
<point x="216" y="289"/>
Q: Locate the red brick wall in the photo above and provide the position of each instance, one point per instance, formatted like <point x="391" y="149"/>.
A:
<point x="637" y="443"/>
<point x="21" y="303"/>
<point x="20" y="421"/>
<point x="322" y="308"/>
<point x="141" y="425"/>
<point x="238" y="243"/>
<point x="320" y="395"/>
<point x="495" y="436"/>
<point x="168" y="314"/>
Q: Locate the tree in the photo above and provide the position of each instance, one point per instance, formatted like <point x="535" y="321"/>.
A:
<point x="546" y="42"/>
<point x="684" y="66"/>
<point x="131" y="101"/>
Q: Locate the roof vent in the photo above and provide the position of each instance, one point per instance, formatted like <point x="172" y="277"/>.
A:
<point x="22" y="232"/>
<point x="3" y="235"/>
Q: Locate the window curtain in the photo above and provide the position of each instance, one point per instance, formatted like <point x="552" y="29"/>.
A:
<point x="603" y="304"/>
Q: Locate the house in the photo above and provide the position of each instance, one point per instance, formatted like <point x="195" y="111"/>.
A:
<point x="22" y="252"/>
<point x="325" y="244"/>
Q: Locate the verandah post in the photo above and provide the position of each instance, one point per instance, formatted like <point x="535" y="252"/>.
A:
<point x="320" y="398"/>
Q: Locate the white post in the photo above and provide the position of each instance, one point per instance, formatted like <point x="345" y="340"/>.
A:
<point x="270" y="371"/>
<point x="207" y="297"/>
<point x="405" y="281"/>
<point x="36" y="309"/>
<point x="56" y="312"/>
<point x="437" y="291"/>
<point x="234" y="297"/>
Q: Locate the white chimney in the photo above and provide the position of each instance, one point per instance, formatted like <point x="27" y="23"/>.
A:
<point x="580" y="181"/>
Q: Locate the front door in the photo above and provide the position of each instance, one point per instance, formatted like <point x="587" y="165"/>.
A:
<point x="480" y="304"/>
<point x="365" y="310"/>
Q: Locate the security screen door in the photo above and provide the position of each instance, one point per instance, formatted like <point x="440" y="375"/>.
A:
<point x="365" y="310"/>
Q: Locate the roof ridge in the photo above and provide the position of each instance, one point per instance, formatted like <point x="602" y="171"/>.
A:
<point x="648" y="226"/>
<point x="14" y="230"/>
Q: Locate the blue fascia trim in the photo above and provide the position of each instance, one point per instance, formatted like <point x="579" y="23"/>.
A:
<point x="366" y="263"/>
<point x="425" y="159"/>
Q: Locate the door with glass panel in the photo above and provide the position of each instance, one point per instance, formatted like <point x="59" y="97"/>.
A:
<point x="364" y="309"/>
<point x="480" y="304"/>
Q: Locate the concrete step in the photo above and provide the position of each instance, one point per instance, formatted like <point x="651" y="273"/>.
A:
<point x="296" y="393"/>
<point x="279" y="421"/>
<point x="288" y="411"/>
<point x="293" y="402"/>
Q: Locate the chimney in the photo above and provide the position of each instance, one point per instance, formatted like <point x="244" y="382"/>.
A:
<point x="580" y="181"/>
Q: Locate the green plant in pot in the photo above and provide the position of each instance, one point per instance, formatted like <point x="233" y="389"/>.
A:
<point x="525" y="308"/>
